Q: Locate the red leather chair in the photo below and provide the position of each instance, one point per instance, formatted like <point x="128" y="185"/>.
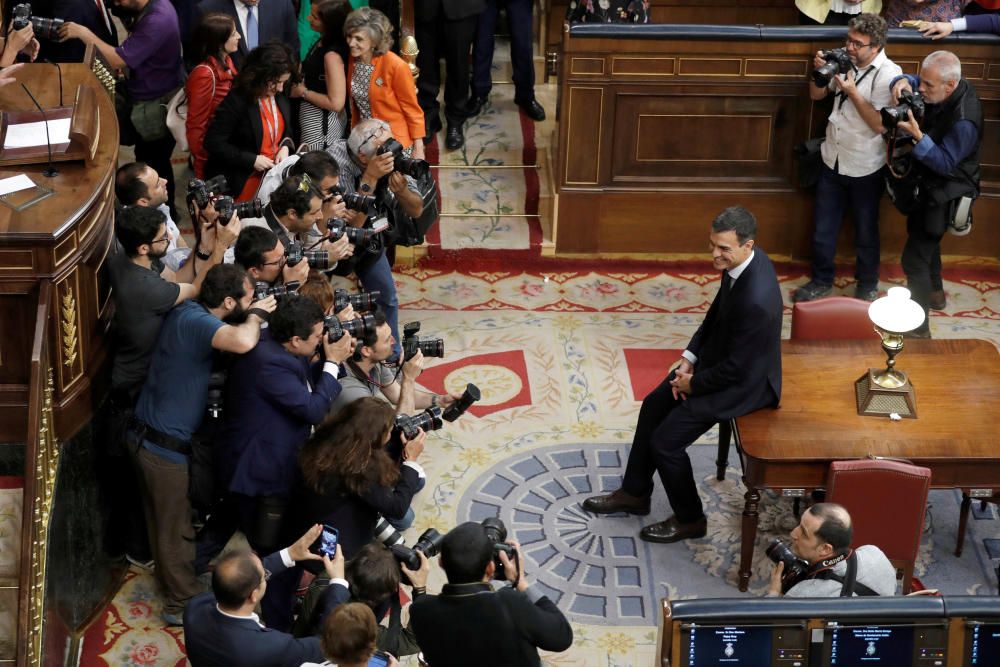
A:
<point x="886" y="500"/>
<point x="832" y="318"/>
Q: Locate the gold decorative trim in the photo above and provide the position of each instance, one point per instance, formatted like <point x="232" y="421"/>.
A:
<point x="615" y="60"/>
<point x="582" y="72"/>
<point x="46" y="463"/>
<point x="717" y="61"/>
<point x="748" y="67"/>
<point x="69" y="327"/>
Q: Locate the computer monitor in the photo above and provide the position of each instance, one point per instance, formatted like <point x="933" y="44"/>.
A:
<point x="886" y="643"/>
<point x="982" y="643"/>
<point x="743" y="645"/>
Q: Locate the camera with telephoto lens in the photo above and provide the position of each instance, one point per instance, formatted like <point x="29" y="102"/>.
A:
<point x="263" y="290"/>
<point x="355" y="200"/>
<point x="335" y="228"/>
<point x="412" y="167"/>
<point x="795" y="568"/>
<point x="429" y="543"/>
<point x="411" y="425"/>
<point x="43" y="28"/>
<point x="464" y="402"/>
<point x="202" y="192"/>
<point x="908" y="101"/>
<point x="225" y="207"/>
<point x="837" y="62"/>
<point x="431" y="347"/>
<point x="359" y="327"/>
<point x="362" y="302"/>
<point x="318" y="259"/>
<point x="497" y="534"/>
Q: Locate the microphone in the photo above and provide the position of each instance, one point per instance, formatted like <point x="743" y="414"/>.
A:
<point x="60" y="79"/>
<point x="50" y="171"/>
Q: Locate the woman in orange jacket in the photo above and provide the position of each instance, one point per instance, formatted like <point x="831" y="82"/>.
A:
<point x="380" y="83"/>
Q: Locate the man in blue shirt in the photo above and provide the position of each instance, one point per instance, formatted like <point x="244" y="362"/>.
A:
<point x="170" y="409"/>
<point x="945" y="176"/>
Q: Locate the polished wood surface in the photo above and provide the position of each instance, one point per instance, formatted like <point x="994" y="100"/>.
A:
<point x="661" y="127"/>
<point x="63" y="239"/>
<point x="957" y="385"/>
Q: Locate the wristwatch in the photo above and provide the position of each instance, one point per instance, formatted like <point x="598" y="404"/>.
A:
<point x="364" y="187"/>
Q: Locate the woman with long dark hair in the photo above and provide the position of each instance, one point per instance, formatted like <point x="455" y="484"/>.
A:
<point x="349" y="478"/>
<point x="322" y="119"/>
<point x="252" y="128"/>
<point x="215" y="37"/>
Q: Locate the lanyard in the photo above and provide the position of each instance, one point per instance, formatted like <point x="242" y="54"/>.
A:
<point x="270" y="117"/>
<point x="843" y="96"/>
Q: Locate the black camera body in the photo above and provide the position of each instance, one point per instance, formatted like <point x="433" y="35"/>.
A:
<point x="431" y="347"/>
<point x="225" y="207"/>
<point x="908" y="101"/>
<point x="837" y="62"/>
<point x="359" y="327"/>
<point x="318" y="259"/>
<point x="796" y="569"/>
<point x="362" y="302"/>
<point x="464" y="402"/>
<point x="215" y="398"/>
<point x="356" y="201"/>
<point x="43" y="28"/>
<point x="428" y="420"/>
<point x="336" y="228"/>
<point x="412" y="167"/>
<point x="429" y="543"/>
<point x="496" y="531"/>
<point x="202" y="192"/>
<point x="263" y="290"/>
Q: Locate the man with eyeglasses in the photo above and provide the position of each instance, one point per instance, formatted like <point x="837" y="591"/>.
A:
<point x="401" y="200"/>
<point x="221" y="627"/>
<point x="853" y="157"/>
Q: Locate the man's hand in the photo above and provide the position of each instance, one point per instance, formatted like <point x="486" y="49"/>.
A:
<point x="70" y="30"/>
<point x="818" y="60"/>
<point x="514" y="572"/>
<point x="418" y="577"/>
<point x="19" y="39"/>
<point x="262" y="163"/>
<point x="300" y="550"/>
<point x="339" y="249"/>
<point x="334" y="568"/>
<point x="6" y="74"/>
<point x="774" y="587"/>
<point x="445" y="400"/>
<point x="347" y="313"/>
<point x="333" y="207"/>
<point x="413" y="366"/>
<point x="845" y="82"/>
<point x="397" y="182"/>
<point x="936" y="29"/>
<point x="283" y="153"/>
<point x="228" y="233"/>
<point x="268" y="303"/>
<point x="380" y="165"/>
<point x="339" y="350"/>
<point x="899" y="87"/>
<point x="911" y="126"/>
<point x="299" y="272"/>
<point x="680" y="386"/>
<point x="412" y="449"/>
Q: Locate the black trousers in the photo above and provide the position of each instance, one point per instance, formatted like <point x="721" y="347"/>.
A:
<point x="451" y="40"/>
<point x="921" y="258"/>
<point x="663" y="433"/>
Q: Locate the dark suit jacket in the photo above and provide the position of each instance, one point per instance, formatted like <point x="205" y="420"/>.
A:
<point x="215" y="640"/>
<point x="469" y="624"/>
<point x="738" y="346"/>
<point x="275" y="20"/>
<point x="234" y="137"/>
<point x="84" y="13"/>
<point x="453" y="10"/>
<point x="269" y="412"/>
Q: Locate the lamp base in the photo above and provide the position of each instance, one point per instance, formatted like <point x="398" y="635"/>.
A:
<point x="875" y="400"/>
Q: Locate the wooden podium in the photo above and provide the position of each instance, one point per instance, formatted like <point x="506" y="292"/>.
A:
<point x="84" y="131"/>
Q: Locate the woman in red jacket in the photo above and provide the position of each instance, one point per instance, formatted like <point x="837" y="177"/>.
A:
<point x="379" y="82"/>
<point x="215" y="37"/>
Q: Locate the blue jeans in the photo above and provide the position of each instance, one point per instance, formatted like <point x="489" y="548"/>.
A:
<point x="835" y="195"/>
<point x="407" y="520"/>
<point x="378" y="276"/>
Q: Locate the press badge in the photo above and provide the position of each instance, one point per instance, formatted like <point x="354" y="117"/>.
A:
<point x="380" y="224"/>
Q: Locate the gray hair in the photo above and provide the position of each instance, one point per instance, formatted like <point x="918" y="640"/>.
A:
<point x="947" y="64"/>
<point x="362" y="133"/>
<point x="375" y="24"/>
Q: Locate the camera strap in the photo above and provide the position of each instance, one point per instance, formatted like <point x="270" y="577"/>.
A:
<point x="849" y="585"/>
<point x="842" y="96"/>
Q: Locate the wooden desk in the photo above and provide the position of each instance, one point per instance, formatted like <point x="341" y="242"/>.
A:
<point x="958" y="396"/>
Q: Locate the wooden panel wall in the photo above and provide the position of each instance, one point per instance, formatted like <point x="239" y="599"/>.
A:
<point x="658" y="135"/>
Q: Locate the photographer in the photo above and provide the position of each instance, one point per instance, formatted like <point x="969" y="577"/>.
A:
<point x="138" y="184"/>
<point x="221" y="627"/>
<point x="170" y="409"/>
<point x="262" y="254"/>
<point x="829" y="567"/>
<point x="403" y="201"/>
<point x="320" y="167"/>
<point x="853" y="156"/>
<point x="350" y="638"/>
<point x="274" y="397"/>
<point x="17" y="42"/>
<point x="471" y="624"/>
<point x="937" y="194"/>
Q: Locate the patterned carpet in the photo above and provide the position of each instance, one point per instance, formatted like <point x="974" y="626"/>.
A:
<point x="562" y="351"/>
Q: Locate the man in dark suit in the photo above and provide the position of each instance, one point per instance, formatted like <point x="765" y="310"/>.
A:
<point x="731" y="367"/>
<point x="471" y="624"/>
<point x="258" y="21"/>
<point x="445" y="29"/>
<point x="221" y="628"/>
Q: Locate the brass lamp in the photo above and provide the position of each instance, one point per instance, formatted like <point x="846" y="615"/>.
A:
<point x="888" y="391"/>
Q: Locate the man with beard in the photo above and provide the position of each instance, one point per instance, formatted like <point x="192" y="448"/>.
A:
<point x="138" y="184"/>
<point x="142" y="300"/>
<point x="170" y="408"/>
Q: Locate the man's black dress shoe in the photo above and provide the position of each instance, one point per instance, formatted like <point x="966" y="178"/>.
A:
<point x="475" y="105"/>
<point x="617" y="501"/>
<point x="432" y="128"/>
<point x="533" y="110"/>
<point x="455" y="138"/>
<point x="672" y="530"/>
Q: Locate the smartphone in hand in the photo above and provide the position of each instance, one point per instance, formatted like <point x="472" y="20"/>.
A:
<point x="328" y="541"/>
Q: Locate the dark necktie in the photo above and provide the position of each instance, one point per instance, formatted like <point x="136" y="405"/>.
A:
<point x="727" y="286"/>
